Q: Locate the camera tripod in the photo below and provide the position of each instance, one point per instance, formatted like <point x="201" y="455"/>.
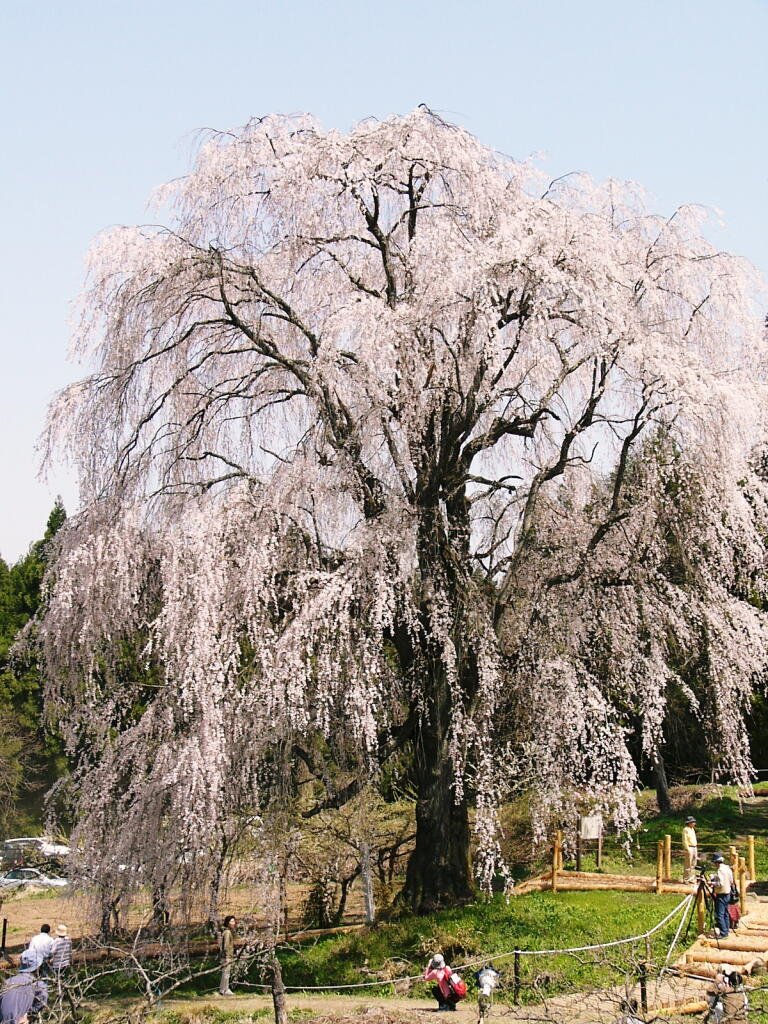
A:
<point x="705" y="894"/>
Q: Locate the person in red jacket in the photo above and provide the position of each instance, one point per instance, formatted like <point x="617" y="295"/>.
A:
<point x="438" y="970"/>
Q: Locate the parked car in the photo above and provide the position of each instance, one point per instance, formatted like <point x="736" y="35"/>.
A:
<point x="17" y="877"/>
<point x="41" y="844"/>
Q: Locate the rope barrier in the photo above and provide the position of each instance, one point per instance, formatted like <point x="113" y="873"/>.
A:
<point x="679" y="929"/>
<point x="489" y="959"/>
<point x="597" y="945"/>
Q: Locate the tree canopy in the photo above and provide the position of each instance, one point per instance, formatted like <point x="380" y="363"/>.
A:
<point x="30" y="756"/>
<point x="370" y="452"/>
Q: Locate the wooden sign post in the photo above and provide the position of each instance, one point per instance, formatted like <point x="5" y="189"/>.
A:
<point x="589" y="828"/>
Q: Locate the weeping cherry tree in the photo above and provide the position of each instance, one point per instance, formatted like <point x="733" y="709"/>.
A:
<point x="334" y="408"/>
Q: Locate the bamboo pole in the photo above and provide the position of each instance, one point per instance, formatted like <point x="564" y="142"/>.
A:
<point x="743" y="888"/>
<point x="751" y="856"/>
<point x="668" y="856"/>
<point x="734" y="858"/>
<point x="660" y="866"/>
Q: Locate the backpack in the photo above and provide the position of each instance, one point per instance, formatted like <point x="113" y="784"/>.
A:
<point x="458" y="987"/>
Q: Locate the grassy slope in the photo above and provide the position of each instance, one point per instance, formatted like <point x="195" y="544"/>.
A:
<point x="534" y="921"/>
<point x="543" y="920"/>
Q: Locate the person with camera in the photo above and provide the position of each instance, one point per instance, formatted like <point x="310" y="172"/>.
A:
<point x="438" y="970"/>
<point x="722" y="882"/>
<point x="727" y="998"/>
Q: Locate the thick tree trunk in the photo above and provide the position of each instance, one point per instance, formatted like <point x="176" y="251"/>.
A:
<point x="439" y="871"/>
<point x="662" y="787"/>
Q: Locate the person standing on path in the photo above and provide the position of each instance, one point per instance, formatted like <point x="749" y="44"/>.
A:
<point x="24" y="995"/>
<point x="690" y="849"/>
<point x="722" y="882"/>
<point x="227" y="954"/>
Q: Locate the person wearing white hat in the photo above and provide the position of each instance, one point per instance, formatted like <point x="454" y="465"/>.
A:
<point x="61" y="956"/>
<point x="438" y="970"/>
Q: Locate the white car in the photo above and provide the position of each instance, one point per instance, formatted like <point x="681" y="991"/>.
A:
<point x="17" y="877"/>
<point x="42" y="844"/>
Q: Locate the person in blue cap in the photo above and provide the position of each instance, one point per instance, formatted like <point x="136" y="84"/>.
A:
<point x="23" y="995"/>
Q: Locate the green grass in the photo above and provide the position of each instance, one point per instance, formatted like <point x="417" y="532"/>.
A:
<point x="483" y="930"/>
<point x="720" y="823"/>
<point x="213" y="1015"/>
<point x="534" y="921"/>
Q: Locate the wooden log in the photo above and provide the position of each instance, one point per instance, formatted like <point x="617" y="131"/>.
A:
<point x="660" y="866"/>
<point x="565" y="884"/>
<point x="718" y="956"/>
<point x="755" y="927"/>
<point x="700" y="970"/>
<point x="751" y="857"/>
<point x="684" y="1008"/>
<point x="734" y="857"/>
<point x="668" y="856"/>
<point x="744" y="943"/>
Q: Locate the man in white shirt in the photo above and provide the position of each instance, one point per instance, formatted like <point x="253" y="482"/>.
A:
<point x="41" y="946"/>
<point x="722" y="881"/>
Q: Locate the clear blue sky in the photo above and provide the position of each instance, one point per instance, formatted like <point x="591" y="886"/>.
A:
<point x="101" y="100"/>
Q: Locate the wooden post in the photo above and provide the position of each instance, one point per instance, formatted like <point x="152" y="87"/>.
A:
<point x="751" y="856"/>
<point x="559" y="850"/>
<point x="516" y="981"/>
<point x="600" y="850"/>
<point x="660" y="866"/>
<point x="734" y="858"/>
<point x="555" y="861"/>
<point x="743" y="888"/>
<point x="700" y="908"/>
<point x="644" y="986"/>
<point x="578" y="843"/>
<point x="5" y="932"/>
<point x="668" y="856"/>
